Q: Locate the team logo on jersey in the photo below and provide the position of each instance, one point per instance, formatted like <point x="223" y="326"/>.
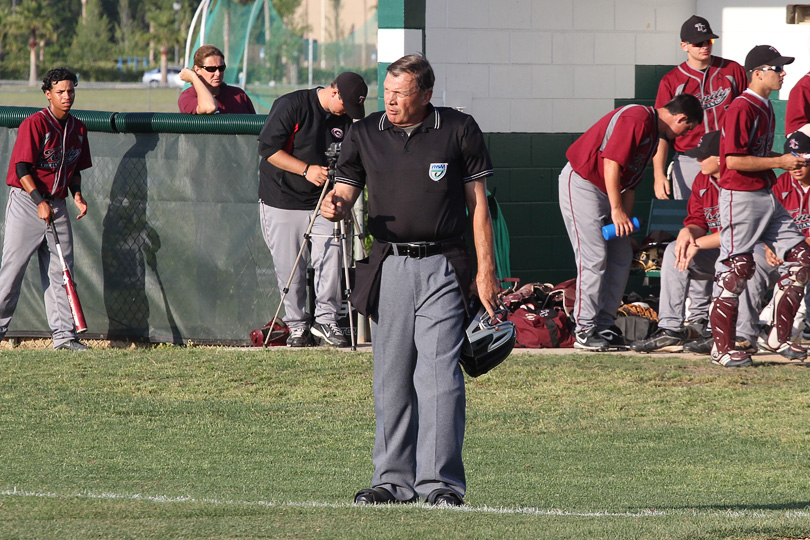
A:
<point x="801" y="219"/>
<point x="337" y="133"/>
<point x="437" y="171"/>
<point x="712" y="217"/>
<point x="710" y="101"/>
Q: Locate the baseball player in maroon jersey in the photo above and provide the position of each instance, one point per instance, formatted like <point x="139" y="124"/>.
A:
<point x="50" y="150"/>
<point x="797" y="113"/>
<point x="597" y="186"/>
<point x="749" y="213"/>
<point x="715" y="82"/>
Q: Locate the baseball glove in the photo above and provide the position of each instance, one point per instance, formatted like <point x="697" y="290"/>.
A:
<point x="639" y="310"/>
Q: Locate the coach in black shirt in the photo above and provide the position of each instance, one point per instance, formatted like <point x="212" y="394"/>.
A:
<point x="424" y="167"/>
<point x="299" y="129"/>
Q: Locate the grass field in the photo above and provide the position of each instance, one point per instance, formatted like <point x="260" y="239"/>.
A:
<point x="221" y="443"/>
<point x="139" y="98"/>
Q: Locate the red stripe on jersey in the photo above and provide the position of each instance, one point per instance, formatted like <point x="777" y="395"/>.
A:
<point x="288" y="145"/>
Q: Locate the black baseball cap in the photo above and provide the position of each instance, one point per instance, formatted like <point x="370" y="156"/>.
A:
<point x="798" y="143"/>
<point x="708" y="146"/>
<point x="765" y="55"/>
<point x="696" y="30"/>
<point x="353" y="92"/>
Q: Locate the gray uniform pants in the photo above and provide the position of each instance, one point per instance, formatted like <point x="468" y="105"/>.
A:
<point x="419" y="395"/>
<point x="752" y="299"/>
<point x="684" y="171"/>
<point x="25" y="235"/>
<point x="602" y="267"/>
<point x="283" y="232"/>
<point x="701" y="269"/>
<point x="675" y="283"/>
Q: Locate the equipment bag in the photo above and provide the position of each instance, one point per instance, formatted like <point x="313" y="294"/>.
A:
<point x="543" y="329"/>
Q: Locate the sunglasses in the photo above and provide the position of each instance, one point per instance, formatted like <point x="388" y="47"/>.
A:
<point x="704" y="43"/>
<point x="778" y="69"/>
<point x="211" y="69"/>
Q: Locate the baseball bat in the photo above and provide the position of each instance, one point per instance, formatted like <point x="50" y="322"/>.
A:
<point x="70" y="288"/>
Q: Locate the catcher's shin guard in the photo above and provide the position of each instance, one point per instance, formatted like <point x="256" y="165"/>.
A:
<point x="788" y="294"/>
<point x="723" y="314"/>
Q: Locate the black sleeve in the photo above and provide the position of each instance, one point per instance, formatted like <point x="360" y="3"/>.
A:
<point x="279" y="127"/>
<point x="24" y="169"/>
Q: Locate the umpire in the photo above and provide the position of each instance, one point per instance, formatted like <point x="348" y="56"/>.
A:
<point x="424" y="167"/>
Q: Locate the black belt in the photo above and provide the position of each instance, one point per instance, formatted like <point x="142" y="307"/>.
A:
<point x="417" y="251"/>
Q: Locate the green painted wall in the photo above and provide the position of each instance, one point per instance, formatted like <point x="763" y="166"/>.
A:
<point x="527" y="167"/>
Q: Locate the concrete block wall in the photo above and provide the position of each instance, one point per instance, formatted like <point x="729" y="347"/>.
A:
<point x="546" y="66"/>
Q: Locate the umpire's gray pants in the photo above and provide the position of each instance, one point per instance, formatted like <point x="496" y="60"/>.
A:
<point x="674" y="284"/>
<point x="418" y="384"/>
<point x="25" y="235"/>
<point x="602" y="267"/>
<point x="283" y="232"/>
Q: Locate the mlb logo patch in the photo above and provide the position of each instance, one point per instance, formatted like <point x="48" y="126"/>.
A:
<point x="437" y="171"/>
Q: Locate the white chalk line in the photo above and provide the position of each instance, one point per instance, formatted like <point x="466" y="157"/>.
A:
<point x="466" y="508"/>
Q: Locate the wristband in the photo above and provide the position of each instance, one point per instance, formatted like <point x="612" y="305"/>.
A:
<point x="304" y="174"/>
<point x="36" y="196"/>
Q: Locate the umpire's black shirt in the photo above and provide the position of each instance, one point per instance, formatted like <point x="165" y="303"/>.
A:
<point x="416" y="183"/>
<point x="298" y="125"/>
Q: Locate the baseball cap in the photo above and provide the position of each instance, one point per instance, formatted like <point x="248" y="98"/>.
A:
<point x="696" y="29"/>
<point x="709" y="145"/>
<point x="353" y="92"/>
<point x="765" y="55"/>
<point x="798" y="143"/>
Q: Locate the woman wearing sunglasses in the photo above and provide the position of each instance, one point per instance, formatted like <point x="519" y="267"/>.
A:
<point x="208" y="93"/>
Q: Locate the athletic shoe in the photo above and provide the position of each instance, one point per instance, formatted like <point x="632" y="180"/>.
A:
<point x="697" y="328"/>
<point x="329" y="333"/>
<point x="662" y="340"/>
<point x="299" y="337"/>
<point x="72" y="345"/>
<point x="614" y="337"/>
<point x="589" y="341"/>
<point x="789" y="350"/>
<point x="700" y="346"/>
<point x="731" y="359"/>
<point x="444" y="497"/>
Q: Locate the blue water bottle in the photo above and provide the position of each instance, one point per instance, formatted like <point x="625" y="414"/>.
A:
<point x="609" y="231"/>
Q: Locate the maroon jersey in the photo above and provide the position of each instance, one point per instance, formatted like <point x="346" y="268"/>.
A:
<point x="797" y="113"/>
<point x="748" y="130"/>
<point x="715" y="87"/>
<point x="794" y="197"/>
<point x="231" y="99"/>
<point x="56" y="152"/>
<point x="704" y="206"/>
<point x="628" y="136"/>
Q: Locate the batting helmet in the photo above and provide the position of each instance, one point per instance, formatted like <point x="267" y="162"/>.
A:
<point x="487" y="341"/>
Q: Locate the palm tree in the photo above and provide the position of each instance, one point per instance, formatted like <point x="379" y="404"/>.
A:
<point x="32" y="18"/>
<point x="164" y="33"/>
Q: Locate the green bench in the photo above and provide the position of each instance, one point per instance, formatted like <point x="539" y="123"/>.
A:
<point x="665" y="215"/>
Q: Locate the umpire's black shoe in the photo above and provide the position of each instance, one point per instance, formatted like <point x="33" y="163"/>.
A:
<point x="72" y="345"/>
<point x="378" y="495"/>
<point x="444" y="497"/>
<point x="330" y="334"/>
